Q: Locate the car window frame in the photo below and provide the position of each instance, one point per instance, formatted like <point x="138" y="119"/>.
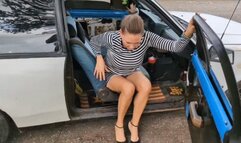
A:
<point x="61" y="52"/>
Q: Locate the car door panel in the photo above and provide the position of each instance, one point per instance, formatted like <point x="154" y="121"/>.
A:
<point x="222" y="111"/>
<point x="32" y="68"/>
<point x="35" y="87"/>
<point x="219" y="115"/>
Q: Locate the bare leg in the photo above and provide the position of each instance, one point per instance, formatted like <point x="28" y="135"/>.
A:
<point x="143" y="87"/>
<point x="126" y="90"/>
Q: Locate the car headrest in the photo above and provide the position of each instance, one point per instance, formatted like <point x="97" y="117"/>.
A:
<point x="72" y="32"/>
<point x="71" y="27"/>
<point x="75" y="29"/>
<point x="80" y="32"/>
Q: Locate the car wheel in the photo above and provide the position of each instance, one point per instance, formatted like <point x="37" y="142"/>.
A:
<point x="4" y="128"/>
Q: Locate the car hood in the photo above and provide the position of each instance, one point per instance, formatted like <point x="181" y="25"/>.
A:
<point x="232" y="35"/>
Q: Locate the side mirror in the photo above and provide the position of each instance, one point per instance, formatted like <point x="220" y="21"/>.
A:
<point x="215" y="58"/>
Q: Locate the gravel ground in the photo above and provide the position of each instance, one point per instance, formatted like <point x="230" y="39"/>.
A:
<point x="167" y="127"/>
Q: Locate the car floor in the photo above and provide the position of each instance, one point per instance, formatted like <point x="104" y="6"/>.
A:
<point x="167" y="92"/>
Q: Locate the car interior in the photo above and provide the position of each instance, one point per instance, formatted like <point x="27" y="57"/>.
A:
<point x="167" y="74"/>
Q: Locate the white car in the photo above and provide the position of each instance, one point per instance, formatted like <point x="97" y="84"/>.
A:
<point x="42" y="82"/>
<point x="230" y="34"/>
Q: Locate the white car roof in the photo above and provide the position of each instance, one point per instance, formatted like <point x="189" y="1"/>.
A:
<point x="218" y="24"/>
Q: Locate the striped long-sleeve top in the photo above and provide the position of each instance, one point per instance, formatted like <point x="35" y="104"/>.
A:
<point x="122" y="61"/>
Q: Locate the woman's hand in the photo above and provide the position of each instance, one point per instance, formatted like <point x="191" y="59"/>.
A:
<point x="190" y="29"/>
<point x="100" y="68"/>
<point x="132" y="9"/>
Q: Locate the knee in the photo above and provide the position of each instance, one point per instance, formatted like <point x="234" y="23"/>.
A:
<point x="145" y="88"/>
<point x="128" y="89"/>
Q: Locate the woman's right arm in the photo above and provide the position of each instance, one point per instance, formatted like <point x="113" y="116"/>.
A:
<point x="99" y="71"/>
<point x="97" y="42"/>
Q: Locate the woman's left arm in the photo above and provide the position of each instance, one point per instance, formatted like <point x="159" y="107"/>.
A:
<point x="172" y="45"/>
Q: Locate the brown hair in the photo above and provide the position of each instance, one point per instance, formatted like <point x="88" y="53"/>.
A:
<point x="133" y="24"/>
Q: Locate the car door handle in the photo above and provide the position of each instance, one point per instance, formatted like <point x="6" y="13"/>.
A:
<point x="197" y="120"/>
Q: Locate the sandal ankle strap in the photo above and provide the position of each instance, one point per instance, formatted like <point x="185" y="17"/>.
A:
<point x="119" y="127"/>
<point x="133" y="124"/>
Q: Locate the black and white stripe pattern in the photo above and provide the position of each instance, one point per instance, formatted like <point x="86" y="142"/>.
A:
<point x="122" y="61"/>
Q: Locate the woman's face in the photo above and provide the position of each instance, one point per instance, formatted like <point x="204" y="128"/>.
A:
<point x="130" y="41"/>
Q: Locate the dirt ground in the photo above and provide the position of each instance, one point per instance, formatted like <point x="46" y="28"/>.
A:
<point x="167" y="127"/>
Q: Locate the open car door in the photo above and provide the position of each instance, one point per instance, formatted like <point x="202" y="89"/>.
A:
<point x="213" y="115"/>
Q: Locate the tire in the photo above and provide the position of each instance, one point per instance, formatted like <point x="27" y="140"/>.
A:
<point x="4" y="128"/>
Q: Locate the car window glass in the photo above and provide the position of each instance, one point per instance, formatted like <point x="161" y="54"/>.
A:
<point x="26" y="25"/>
<point x="154" y="23"/>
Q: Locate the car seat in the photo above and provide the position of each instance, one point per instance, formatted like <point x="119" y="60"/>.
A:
<point x="78" y="38"/>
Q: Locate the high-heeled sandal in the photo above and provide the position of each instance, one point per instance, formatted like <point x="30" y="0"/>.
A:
<point x="120" y="141"/>
<point x="136" y="126"/>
